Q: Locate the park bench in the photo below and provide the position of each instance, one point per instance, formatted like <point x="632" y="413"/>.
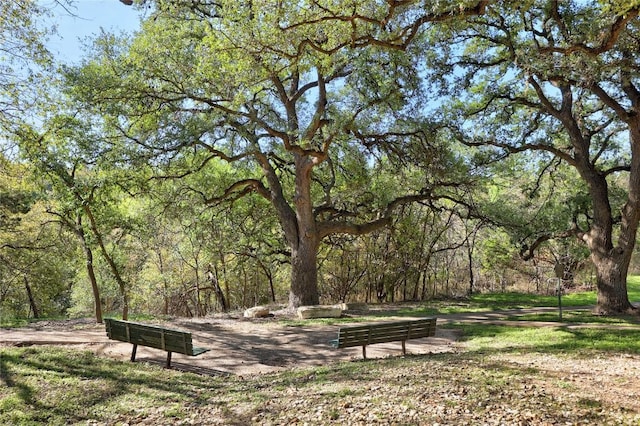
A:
<point x="382" y="332"/>
<point x="153" y="337"/>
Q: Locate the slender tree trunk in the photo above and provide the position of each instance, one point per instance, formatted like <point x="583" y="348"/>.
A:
<point x="97" y="304"/>
<point x="112" y="265"/>
<point x="78" y="230"/>
<point x="32" y="300"/>
<point x="199" y="307"/>
<point x="470" y="263"/>
<point x="245" y="287"/>
<point x="269" y="275"/>
<point x="165" y="283"/>
<point x="227" y="290"/>
<point x="212" y="274"/>
<point x="85" y="201"/>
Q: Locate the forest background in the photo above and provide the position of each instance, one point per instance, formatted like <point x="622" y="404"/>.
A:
<point x="228" y="155"/>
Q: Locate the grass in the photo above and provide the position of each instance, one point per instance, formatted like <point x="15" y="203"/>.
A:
<point x="579" y="340"/>
<point x="633" y="288"/>
<point x="56" y="386"/>
<point x="13" y="322"/>
<point x="487" y="302"/>
<point x="575" y="317"/>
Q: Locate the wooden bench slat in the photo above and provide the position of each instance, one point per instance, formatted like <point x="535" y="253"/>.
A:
<point x="363" y="335"/>
<point x="167" y="339"/>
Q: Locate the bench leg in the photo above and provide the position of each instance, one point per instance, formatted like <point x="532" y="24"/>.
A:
<point x="404" y="350"/>
<point x="168" y="359"/>
<point x="364" y="351"/>
<point x="133" y="353"/>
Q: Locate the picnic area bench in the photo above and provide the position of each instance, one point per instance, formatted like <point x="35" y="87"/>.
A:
<point x="382" y="332"/>
<point x="153" y="337"/>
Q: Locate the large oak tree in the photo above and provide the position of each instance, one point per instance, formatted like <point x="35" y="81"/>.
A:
<point x="560" y="79"/>
<point x="279" y="88"/>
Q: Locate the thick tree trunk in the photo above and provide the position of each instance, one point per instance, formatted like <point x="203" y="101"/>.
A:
<point x="304" y="239"/>
<point x="612" y="265"/>
<point x="610" y="261"/>
<point x="304" y="274"/>
<point x="611" y="276"/>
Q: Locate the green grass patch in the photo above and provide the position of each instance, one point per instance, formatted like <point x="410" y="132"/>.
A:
<point x="575" y="317"/>
<point x="12" y="322"/>
<point x="484" y="302"/>
<point x="582" y="340"/>
<point x="56" y="386"/>
<point x="502" y="301"/>
<point x="490" y="302"/>
<point x="633" y="288"/>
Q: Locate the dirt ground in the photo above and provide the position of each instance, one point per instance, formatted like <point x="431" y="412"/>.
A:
<point x="249" y="347"/>
<point x="237" y="345"/>
<point x="602" y="386"/>
<point x="243" y="346"/>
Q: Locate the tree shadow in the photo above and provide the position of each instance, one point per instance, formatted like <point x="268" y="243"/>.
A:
<point x="57" y="368"/>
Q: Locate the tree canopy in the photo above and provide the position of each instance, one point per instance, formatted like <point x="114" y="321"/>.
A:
<point x="23" y="55"/>
<point x="558" y="79"/>
<point x="281" y="93"/>
<point x="384" y="148"/>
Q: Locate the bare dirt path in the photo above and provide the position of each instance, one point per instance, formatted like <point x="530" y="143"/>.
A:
<point x="237" y="346"/>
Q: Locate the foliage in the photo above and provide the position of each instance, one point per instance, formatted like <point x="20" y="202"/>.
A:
<point x="543" y="82"/>
<point x="620" y="7"/>
<point x="37" y="263"/>
<point x="23" y="56"/>
<point x="193" y="156"/>
<point x="290" y="107"/>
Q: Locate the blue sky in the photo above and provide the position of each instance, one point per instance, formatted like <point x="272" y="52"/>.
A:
<point x="90" y="16"/>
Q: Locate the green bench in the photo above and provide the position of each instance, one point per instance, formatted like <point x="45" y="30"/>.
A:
<point x="382" y="332"/>
<point x="153" y="337"/>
